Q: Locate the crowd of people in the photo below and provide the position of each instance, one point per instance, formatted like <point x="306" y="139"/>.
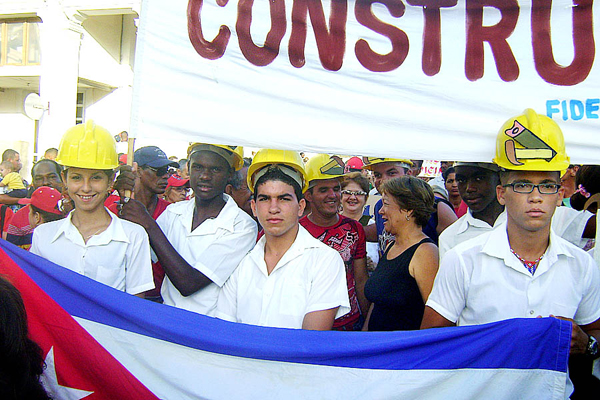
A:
<point x="363" y="244"/>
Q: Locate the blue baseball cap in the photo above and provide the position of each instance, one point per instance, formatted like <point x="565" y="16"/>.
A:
<point x="152" y="156"/>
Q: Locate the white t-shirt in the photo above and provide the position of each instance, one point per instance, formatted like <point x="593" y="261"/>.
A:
<point x="481" y="281"/>
<point x="309" y="277"/>
<point x="566" y="222"/>
<point x="118" y="257"/>
<point x="214" y="248"/>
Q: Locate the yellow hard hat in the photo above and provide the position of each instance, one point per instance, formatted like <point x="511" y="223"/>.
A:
<point x="234" y="155"/>
<point x="289" y="158"/>
<point x="324" y="166"/>
<point x="531" y="142"/>
<point x="371" y="161"/>
<point x="88" y="146"/>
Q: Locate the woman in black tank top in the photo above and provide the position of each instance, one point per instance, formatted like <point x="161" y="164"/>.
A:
<point x="402" y="281"/>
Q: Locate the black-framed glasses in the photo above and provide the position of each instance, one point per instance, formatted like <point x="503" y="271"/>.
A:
<point x="162" y="171"/>
<point x="526" y="188"/>
<point x="354" y="193"/>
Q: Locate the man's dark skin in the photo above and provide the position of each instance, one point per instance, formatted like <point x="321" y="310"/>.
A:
<point x="44" y="173"/>
<point x="477" y="188"/>
<point x="209" y="174"/>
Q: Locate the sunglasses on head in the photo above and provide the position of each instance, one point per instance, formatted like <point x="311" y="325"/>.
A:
<point x="162" y="171"/>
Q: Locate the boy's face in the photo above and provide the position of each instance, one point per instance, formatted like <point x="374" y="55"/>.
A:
<point x="277" y="208"/>
<point x="530" y="212"/>
<point x="476" y="187"/>
<point x="3" y="171"/>
<point x="209" y="174"/>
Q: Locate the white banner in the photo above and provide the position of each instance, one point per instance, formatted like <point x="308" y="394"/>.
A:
<point x="363" y="77"/>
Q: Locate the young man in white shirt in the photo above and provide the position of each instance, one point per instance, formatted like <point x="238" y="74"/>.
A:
<point x="199" y="242"/>
<point x="290" y="279"/>
<point x="521" y="269"/>
<point x="477" y="183"/>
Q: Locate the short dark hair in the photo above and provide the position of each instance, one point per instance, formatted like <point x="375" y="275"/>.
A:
<point x="237" y="178"/>
<point x="357" y="178"/>
<point x="51" y="150"/>
<point x="56" y="166"/>
<point x="275" y="174"/>
<point x="412" y="194"/>
<point x="447" y="172"/>
<point x="47" y="216"/>
<point x="9" y="154"/>
<point x="504" y="173"/>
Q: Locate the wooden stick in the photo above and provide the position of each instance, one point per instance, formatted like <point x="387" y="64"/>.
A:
<point x="130" y="150"/>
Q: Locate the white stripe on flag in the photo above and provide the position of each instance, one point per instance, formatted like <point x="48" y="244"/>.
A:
<point x="174" y="371"/>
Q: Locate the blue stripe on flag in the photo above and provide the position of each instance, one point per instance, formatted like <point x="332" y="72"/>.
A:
<point x="517" y="344"/>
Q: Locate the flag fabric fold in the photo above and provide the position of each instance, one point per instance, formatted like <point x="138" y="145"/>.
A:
<point x="100" y="343"/>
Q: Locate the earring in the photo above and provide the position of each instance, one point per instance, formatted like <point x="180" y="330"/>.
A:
<point x="407" y="218"/>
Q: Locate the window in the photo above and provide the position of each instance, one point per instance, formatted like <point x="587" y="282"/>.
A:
<point x="19" y="42"/>
<point x="80" y="110"/>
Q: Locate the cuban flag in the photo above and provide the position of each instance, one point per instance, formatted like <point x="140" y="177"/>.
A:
<point x="100" y="343"/>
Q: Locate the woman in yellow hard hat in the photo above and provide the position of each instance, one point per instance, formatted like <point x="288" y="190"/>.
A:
<point x="91" y="240"/>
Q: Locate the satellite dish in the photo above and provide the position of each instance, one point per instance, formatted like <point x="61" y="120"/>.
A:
<point x="34" y="107"/>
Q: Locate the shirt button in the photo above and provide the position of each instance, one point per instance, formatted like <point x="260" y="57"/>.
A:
<point x="531" y="312"/>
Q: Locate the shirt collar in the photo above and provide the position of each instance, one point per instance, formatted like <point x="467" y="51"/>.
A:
<point x="497" y="245"/>
<point x="304" y="240"/>
<point x="225" y="219"/>
<point x="115" y="231"/>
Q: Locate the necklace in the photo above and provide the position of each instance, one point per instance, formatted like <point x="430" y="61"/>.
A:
<point x="530" y="265"/>
<point x="86" y="238"/>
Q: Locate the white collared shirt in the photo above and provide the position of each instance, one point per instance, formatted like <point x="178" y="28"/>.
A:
<point x="118" y="257"/>
<point x="309" y="277"/>
<point x="481" y="281"/>
<point x="214" y="248"/>
<point x="566" y="222"/>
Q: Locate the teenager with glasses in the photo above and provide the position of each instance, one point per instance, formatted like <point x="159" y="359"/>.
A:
<point x="522" y="269"/>
<point x="477" y="183"/>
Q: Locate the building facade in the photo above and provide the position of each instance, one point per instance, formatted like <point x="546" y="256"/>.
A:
<point x="77" y="56"/>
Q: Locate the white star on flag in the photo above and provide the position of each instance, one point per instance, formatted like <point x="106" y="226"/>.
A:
<point x="54" y="389"/>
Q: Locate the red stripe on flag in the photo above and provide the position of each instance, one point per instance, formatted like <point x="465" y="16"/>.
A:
<point x="81" y="362"/>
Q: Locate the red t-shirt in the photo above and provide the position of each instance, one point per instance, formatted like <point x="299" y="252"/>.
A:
<point x="461" y="210"/>
<point x="157" y="270"/>
<point x="348" y="238"/>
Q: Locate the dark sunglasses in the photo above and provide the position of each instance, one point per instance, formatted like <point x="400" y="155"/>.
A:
<point x="162" y="171"/>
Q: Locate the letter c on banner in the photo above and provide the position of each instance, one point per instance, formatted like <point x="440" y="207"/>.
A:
<point x="209" y="50"/>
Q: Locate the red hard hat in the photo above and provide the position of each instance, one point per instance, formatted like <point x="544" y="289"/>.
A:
<point x="354" y="163"/>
